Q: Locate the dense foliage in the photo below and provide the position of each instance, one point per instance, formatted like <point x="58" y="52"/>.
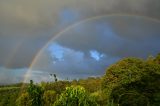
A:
<point x="133" y="82"/>
<point x="35" y="94"/>
<point x="8" y="96"/>
<point x="49" y="97"/>
<point x="75" y="96"/>
<point x="129" y="82"/>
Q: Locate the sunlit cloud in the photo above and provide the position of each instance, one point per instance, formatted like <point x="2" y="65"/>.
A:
<point x="96" y="55"/>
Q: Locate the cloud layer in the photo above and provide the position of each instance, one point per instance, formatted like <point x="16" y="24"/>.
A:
<point x="27" y="25"/>
<point x="118" y="36"/>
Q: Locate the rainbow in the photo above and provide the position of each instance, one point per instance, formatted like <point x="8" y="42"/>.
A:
<point x="75" y="25"/>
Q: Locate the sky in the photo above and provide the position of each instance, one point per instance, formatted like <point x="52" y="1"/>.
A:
<point x="73" y="38"/>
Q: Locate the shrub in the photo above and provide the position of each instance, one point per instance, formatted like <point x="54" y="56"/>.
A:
<point x="23" y="100"/>
<point x="35" y="93"/>
<point x="49" y="97"/>
<point x="75" y="96"/>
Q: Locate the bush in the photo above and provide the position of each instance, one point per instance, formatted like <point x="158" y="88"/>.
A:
<point x="100" y="98"/>
<point x="23" y="100"/>
<point x="49" y="97"/>
<point x="35" y="93"/>
<point x="75" y="96"/>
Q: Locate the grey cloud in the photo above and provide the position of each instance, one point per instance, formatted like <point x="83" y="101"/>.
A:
<point x="119" y="36"/>
<point x="31" y="23"/>
<point x="73" y="65"/>
<point x="27" y="25"/>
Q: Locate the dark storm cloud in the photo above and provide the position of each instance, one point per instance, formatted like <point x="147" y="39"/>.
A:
<point x="31" y="24"/>
<point x="118" y="36"/>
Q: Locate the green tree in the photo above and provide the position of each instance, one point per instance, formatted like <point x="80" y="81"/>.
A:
<point x="35" y="94"/>
<point x="91" y="84"/>
<point x="133" y="82"/>
<point x="75" y="96"/>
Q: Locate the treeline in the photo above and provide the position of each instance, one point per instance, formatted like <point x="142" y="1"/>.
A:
<point x="128" y="82"/>
<point x="49" y="93"/>
<point x="17" y="94"/>
<point x="11" y="85"/>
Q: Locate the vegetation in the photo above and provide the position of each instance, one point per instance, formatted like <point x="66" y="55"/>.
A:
<point x="33" y="96"/>
<point x="49" y="97"/>
<point x="75" y="96"/>
<point x="133" y="82"/>
<point x="8" y="96"/>
<point x="129" y="82"/>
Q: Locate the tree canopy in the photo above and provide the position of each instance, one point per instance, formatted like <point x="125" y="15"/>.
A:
<point x="133" y="81"/>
